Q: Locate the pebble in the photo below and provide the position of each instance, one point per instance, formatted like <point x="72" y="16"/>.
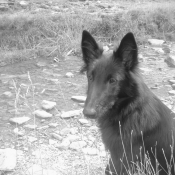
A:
<point x="90" y="151"/>
<point x="19" y="120"/>
<point x="65" y="131"/>
<point x="172" y="92"/>
<point x="57" y="136"/>
<point x="105" y="48"/>
<point x="48" y="105"/>
<point x="32" y="139"/>
<point x="155" y="42"/>
<point x="172" y="81"/>
<point x="42" y="114"/>
<point x="7" y="159"/>
<point x="72" y="138"/>
<point x="8" y="94"/>
<point x="78" y="145"/>
<point x="79" y="98"/>
<point x="53" y="125"/>
<point x="64" y="145"/>
<point x="70" y="114"/>
<point x="30" y="126"/>
<point x="69" y="75"/>
<point x="52" y="142"/>
<point x="83" y="121"/>
<point x="17" y="132"/>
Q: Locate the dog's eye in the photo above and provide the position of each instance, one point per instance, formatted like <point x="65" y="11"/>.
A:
<point x="112" y="80"/>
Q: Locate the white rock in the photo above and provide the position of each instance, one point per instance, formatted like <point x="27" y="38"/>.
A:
<point x="90" y="151"/>
<point x="57" y="136"/>
<point x="79" y="98"/>
<point x="65" y="131"/>
<point x="43" y="127"/>
<point x="17" y="132"/>
<point x="39" y="170"/>
<point x="19" y="120"/>
<point x="48" y="105"/>
<point x="42" y="114"/>
<point x="52" y="142"/>
<point x="7" y="159"/>
<point x="155" y="42"/>
<point x="69" y="75"/>
<point x="78" y="145"/>
<point x="53" y="125"/>
<point x="74" y="130"/>
<point x="30" y="126"/>
<point x="32" y="139"/>
<point x="64" y="145"/>
<point x="83" y="121"/>
<point x="8" y="94"/>
<point x="172" y="81"/>
<point x="172" y="92"/>
<point x="23" y="3"/>
<point x="69" y="114"/>
<point x="73" y="138"/>
<point x="159" y="50"/>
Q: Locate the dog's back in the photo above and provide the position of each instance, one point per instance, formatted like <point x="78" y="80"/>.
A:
<point x="135" y="124"/>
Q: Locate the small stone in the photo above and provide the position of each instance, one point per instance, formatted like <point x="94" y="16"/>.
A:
<point x="30" y="126"/>
<point x="74" y="130"/>
<point x="52" y="142"/>
<point x="159" y="50"/>
<point x="19" y="120"/>
<point x="65" y="131"/>
<point x="64" y="145"/>
<point x="103" y="154"/>
<point x="155" y="42"/>
<point x="69" y="75"/>
<point x="69" y="114"/>
<point x="57" y="136"/>
<point x="95" y="128"/>
<point x="43" y="127"/>
<point x="73" y="138"/>
<point x="170" y="60"/>
<point x="90" y="151"/>
<point x="32" y="139"/>
<point x="8" y="94"/>
<point x="83" y="121"/>
<point x="7" y="159"/>
<point x="48" y="105"/>
<point x="79" y="98"/>
<point x="91" y="138"/>
<point x="41" y="64"/>
<point x="39" y="170"/>
<point x="78" y="145"/>
<point x="42" y="114"/>
<point x="81" y="104"/>
<point x="53" y="125"/>
<point x="18" y="133"/>
<point x="24" y="3"/>
<point x="144" y="70"/>
<point x="172" y="92"/>
<point x="172" y="81"/>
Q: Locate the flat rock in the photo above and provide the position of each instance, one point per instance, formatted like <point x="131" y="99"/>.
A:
<point x="79" y="98"/>
<point x="65" y="131"/>
<point x="31" y="139"/>
<point x="155" y="42"/>
<point x="78" y="145"/>
<point x="172" y="81"/>
<point x="39" y="170"/>
<point x="172" y="92"/>
<point x="42" y="114"/>
<point x="70" y="114"/>
<point x="57" y="136"/>
<point x="83" y="121"/>
<point x="170" y="60"/>
<point x="30" y="126"/>
<point x="7" y="159"/>
<point x="48" y="105"/>
<point x="69" y="75"/>
<point x="90" y="151"/>
<point x="19" y="120"/>
<point x="53" y="125"/>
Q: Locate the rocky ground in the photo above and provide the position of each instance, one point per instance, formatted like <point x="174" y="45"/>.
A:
<point x="42" y="128"/>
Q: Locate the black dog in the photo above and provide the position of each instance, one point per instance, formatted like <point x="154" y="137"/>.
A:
<point x="137" y="128"/>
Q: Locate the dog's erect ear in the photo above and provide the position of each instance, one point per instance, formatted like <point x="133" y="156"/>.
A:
<point x="127" y="52"/>
<point x="90" y="48"/>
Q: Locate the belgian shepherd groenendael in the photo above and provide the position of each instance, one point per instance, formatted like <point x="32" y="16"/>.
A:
<point x="136" y="126"/>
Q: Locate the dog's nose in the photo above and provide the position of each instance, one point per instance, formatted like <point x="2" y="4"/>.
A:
<point x="89" y="112"/>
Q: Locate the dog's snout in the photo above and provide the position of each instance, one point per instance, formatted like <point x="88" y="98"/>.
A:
<point x="89" y="112"/>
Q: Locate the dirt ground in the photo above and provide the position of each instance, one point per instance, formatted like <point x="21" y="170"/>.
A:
<point x="23" y="86"/>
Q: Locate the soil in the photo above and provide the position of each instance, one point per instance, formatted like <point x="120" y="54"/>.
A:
<point x="29" y="82"/>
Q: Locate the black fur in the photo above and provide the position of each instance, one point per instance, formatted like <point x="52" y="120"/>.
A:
<point x="134" y="123"/>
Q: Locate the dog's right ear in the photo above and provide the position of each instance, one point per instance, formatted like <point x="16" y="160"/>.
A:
<point x="90" y="49"/>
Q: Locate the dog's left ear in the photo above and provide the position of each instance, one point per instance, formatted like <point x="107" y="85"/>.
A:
<point x="127" y="52"/>
<point x="90" y="49"/>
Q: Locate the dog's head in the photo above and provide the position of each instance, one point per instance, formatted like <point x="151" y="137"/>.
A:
<point x="108" y="74"/>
